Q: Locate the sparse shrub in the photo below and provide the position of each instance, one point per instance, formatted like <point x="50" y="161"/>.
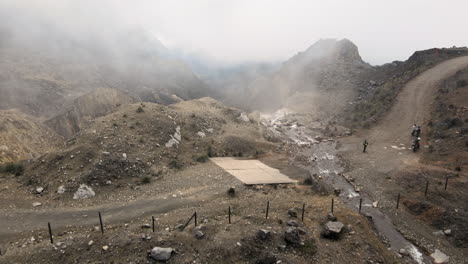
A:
<point x="115" y="124"/>
<point x="193" y="115"/>
<point x="145" y="179"/>
<point x="16" y="169"/>
<point x="124" y="116"/>
<point x="140" y="110"/>
<point x="231" y="191"/>
<point x="141" y="140"/>
<point x="143" y="105"/>
<point x="210" y="152"/>
<point x="308" y="180"/>
<point x="309" y="247"/>
<point x="175" y="164"/>
<point x="458" y="168"/>
<point x="202" y="158"/>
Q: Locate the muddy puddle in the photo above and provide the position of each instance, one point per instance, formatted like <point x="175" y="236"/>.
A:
<point x="320" y="158"/>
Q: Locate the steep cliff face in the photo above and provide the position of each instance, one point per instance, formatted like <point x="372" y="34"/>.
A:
<point x="322" y="78"/>
<point x="95" y="104"/>
<point x="22" y="137"/>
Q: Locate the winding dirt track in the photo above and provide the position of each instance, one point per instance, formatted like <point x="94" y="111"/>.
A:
<point x="413" y="105"/>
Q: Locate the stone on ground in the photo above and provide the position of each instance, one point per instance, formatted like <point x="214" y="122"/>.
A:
<point x="162" y="254"/>
<point x="439" y="257"/>
<point x="84" y="192"/>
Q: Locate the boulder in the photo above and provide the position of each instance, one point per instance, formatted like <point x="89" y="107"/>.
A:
<point x="331" y="217"/>
<point x="39" y="190"/>
<point x="61" y="189"/>
<point x="293" y="223"/>
<point x="162" y="254"/>
<point x="199" y="234"/>
<point x="84" y="192"/>
<point x="439" y="257"/>
<point x="263" y="234"/>
<point x="201" y="134"/>
<point x="36" y="204"/>
<point x="332" y="230"/>
<point x="448" y="232"/>
<point x="292" y="236"/>
<point x="292" y="212"/>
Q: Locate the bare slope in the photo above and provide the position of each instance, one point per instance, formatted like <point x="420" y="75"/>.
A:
<point x="22" y="137"/>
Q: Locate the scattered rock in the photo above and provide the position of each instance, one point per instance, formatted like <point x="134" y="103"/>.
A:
<point x="403" y="252"/>
<point x="438" y="233"/>
<point x="244" y="117"/>
<point x="162" y="254"/>
<point x="292" y="212"/>
<point x="124" y="155"/>
<point x="199" y="234"/>
<point x="439" y="257"/>
<point x="292" y="236"/>
<point x="105" y="153"/>
<point x="36" y="204"/>
<point x="331" y="217"/>
<point x="375" y="204"/>
<point x="201" y="134"/>
<point x="90" y="243"/>
<point x="448" y="232"/>
<point x="293" y="223"/>
<point x="84" y="192"/>
<point x="179" y="227"/>
<point x="263" y="234"/>
<point x="61" y="189"/>
<point x="332" y="230"/>
<point x="146" y="226"/>
<point x="105" y="248"/>
<point x="175" y="139"/>
<point x="39" y="190"/>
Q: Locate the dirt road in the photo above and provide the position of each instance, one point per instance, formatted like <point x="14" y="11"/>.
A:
<point x="413" y="105"/>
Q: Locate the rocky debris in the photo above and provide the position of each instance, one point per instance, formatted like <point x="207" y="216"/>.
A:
<point x="199" y="234"/>
<point x="331" y="217"/>
<point x="105" y="153"/>
<point x="90" y="243"/>
<point x="161" y="254"/>
<point x="292" y="212"/>
<point x="146" y="226"/>
<point x="201" y="134"/>
<point x="84" y="192"/>
<point x="124" y="155"/>
<point x="179" y="227"/>
<point x="61" y="189"/>
<point x="447" y="232"/>
<point x="439" y="257"/>
<point x="105" y="248"/>
<point x="403" y="252"/>
<point x="36" y="204"/>
<point x="39" y="190"/>
<point x="438" y="233"/>
<point x="375" y="204"/>
<point x="243" y="117"/>
<point x="332" y="230"/>
<point x="175" y="139"/>
<point x="263" y="234"/>
<point x="292" y="236"/>
<point x="293" y="223"/>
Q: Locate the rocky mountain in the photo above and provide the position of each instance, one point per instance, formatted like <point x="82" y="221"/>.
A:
<point x="22" y="137"/>
<point x="320" y="80"/>
<point x="43" y="69"/>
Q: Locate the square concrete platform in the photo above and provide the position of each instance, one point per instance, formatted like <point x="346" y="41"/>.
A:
<point x="252" y="171"/>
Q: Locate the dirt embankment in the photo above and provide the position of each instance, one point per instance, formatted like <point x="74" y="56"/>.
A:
<point x="22" y="137"/>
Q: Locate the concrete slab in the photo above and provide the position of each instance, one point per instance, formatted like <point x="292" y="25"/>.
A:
<point x="252" y="171"/>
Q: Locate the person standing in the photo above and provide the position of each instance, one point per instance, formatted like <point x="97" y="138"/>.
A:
<point x="365" y="144"/>
<point x="414" y="130"/>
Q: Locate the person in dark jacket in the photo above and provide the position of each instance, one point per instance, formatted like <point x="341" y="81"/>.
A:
<point x="365" y="144"/>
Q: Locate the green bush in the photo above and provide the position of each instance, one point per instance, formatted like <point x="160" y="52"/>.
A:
<point x="202" y="158"/>
<point x="145" y="179"/>
<point x="16" y="169"/>
<point x="140" y="110"/>
<point x="175" y="164"/>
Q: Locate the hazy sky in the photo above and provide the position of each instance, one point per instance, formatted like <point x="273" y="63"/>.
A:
<point x="261" y="30"/>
